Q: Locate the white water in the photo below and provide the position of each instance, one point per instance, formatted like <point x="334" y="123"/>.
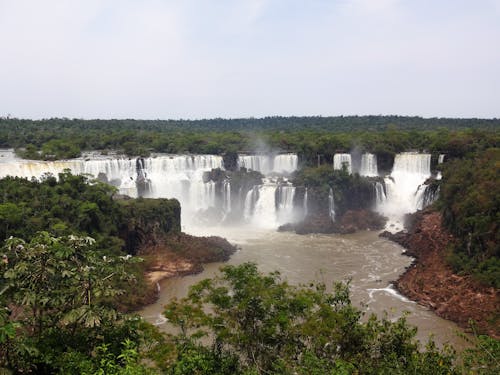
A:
<point x="265" y="215"/>
<point x="368" y="165"/>
<point x="285" y="196"/>
<point x="169" y="176"/>
<point x="340" y="159"/>
<point x="250" y="201"/>
<point x="181" y="177"/>
<point x="380" y="193"/>
<point x="331" y="205"/>
<point x="402" y="187"/>
<point x="305" y="207"/>
<point x="267" y="164"/>
<point x="226" y="202"/>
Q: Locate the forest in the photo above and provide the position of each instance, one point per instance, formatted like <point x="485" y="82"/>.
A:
<point x="68" y="277"/>
<point x="309" y="137"/>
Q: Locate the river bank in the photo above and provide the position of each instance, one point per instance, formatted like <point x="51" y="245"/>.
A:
<point x="431" y="282"/>
<point x="178" y="254"/>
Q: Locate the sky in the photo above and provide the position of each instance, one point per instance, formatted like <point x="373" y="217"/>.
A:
<point x="170" y="59"/>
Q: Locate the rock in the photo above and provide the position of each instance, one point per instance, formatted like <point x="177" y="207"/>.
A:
<point x="432" y="282"/>
<point x="350" y="222"/>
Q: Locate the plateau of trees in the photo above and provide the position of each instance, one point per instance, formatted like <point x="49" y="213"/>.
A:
<point x="76" y="205"/>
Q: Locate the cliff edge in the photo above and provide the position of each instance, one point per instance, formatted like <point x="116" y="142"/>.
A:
<point x="431" y="282"/>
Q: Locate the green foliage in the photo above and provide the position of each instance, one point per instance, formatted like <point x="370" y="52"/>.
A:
<point x="308" y="136"/>
<point x="62" y="290"/>
<point x="68" y="205"/>
<point x="244" y="322"/>
<point x="164" y="213"/>
<point x="350" y="191"/>
<point x="484" y="357"/>
<point x="470" y="199"/>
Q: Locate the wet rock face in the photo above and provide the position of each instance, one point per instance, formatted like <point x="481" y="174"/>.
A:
<point x="147" y="221"/>
<point x="350" y="222"/>
<point x="230" y="160"/>
<point x="432" y="282"/>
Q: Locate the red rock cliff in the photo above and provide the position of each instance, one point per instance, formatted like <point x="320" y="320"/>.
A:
<point x="431" y="282"/>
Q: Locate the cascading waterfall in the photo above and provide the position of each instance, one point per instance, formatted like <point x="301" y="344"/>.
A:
<point x="380" y="193"/>
<point x="181" y="177"/>
<point x="265" y="214"/>
<point x="402" y="187"/>
<point x="340" y="159"/>
<point x="165" y="176"/>
<point x="259" y="163"/>
<point x="250" y="200"/>
<point x="331" y="205"/>
<point x="285" y="163"/>
<point x="226" y="199"/>
<point x="368" y="165"/>
<point x="305" y="207"/>
<point x="430" y="195"/>
<point x="439" y="175"/>
<point x="284" y="202"/>
<point x="266" y="164"/>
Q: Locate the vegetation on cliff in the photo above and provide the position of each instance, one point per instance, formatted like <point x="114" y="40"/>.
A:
<point x="350" y="191"/>
<point x="58" y="306"/>
<point x="470" y="200"/>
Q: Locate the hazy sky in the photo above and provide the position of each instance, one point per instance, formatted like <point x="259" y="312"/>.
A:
<point x="241" y="58"/>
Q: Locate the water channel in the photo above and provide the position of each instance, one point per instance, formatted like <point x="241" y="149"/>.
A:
<point x="370" y="262"/>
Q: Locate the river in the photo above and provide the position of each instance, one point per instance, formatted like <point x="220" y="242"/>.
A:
<point x="370" y="262"/>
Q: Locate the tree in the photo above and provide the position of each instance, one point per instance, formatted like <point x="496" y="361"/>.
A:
<point x="61" y="290"/>
<point x="244" y="322"/>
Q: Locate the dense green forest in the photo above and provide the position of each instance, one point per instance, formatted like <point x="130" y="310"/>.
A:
<point x="470" y="201"/>
<point x="307" y="136"/>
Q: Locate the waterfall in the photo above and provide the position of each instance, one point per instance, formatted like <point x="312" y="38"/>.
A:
<point x="285" y="163"/>
<point x="441" y="158"/>
<point x="250" y="201"/>
<point x="265" y="211"/>
<point x="226" y="199"/>
<point x="402" y="187"/>
<point x="165" y="176"/>
<point x="305" y="208"/>
<point x="331" y="205"/>
<point x="430" y="195"/>
<point x="266" y="164"/>
<point x="340" y="159"/>
<point x="368" y="165"/>
<point x="180" y="177"/>
<point x="284" y="202"/>
<point x="259" y="163"/>
<point x="380" y="193"/>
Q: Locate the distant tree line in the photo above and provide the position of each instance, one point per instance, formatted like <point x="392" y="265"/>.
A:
<point x="307" y="136"/>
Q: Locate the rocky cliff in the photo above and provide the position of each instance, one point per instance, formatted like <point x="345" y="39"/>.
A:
<point x="151" y="229"/>
<point x="350" y="222"/>
<point x="431" y="282"/>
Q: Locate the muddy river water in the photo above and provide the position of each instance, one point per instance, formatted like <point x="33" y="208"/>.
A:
<point x="370" y="262"/>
